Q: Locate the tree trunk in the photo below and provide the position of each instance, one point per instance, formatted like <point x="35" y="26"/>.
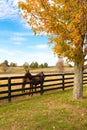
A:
<point x="78" y="82"/>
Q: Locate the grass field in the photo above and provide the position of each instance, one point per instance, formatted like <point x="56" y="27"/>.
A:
<point x="53" y="111"/>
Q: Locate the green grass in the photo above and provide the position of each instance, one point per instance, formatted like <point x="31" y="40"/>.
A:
<point x="55" y="110"/>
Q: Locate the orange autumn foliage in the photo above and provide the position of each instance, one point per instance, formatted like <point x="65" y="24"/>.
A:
<point x="64" y="21"/>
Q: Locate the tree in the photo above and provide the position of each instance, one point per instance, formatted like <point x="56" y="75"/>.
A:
<point x="5" y="62"/>
<point x="13" y="64"/>
<point x="45" y="65"/>
<point x="65" y="21"/>
<point x="60" y="65"/>
<point x="34" y="65"/>
<point x="4" y="67"/>
<point x="41" y="66"/>
<point x="26" y="66"/>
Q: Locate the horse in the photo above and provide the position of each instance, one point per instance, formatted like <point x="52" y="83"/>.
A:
<point x="33" y="80"/>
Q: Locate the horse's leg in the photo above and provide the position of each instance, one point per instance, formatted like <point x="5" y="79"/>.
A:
<point x="41" y="88"/>
<point x="35" y="87"/>
<point x="31" y="89"/>
<point x="23" y="87"/>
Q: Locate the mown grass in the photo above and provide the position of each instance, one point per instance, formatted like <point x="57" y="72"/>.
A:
<point x="55" y="110"/>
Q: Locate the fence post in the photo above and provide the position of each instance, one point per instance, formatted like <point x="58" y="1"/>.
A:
<point x="41" y="92"/>
<point x="9" y="89"/>
<point x="63" y="81"/>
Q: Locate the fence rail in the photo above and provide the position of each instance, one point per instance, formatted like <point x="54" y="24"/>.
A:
<point x="12" y="86"/>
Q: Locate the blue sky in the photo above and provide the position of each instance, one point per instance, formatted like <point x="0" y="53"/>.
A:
<point x="17" y="41"/>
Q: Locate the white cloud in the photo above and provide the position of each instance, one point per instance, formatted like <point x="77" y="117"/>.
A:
<point x="17" y="43"/>
<point x="16" y="34"/>
<point x="18" y="39"/>
<point x="5" y="51"/>
<point x="23" y="34"/>
<point x="13" y="2"/>
<point x="42" y="46"/>
<point x="8" y="9"/>
<point x="25" y="24"/>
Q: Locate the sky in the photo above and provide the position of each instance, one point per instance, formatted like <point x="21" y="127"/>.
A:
<point x="17" y="41"/>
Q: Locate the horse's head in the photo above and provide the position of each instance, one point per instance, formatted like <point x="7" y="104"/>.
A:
<point x="28" y="75"/>
<point x="41" y="74"/>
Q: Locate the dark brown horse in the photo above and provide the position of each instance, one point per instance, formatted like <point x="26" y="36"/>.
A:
<point x="33" y="80"/>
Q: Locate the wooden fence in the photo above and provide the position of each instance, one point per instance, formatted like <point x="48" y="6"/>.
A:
<point x="12" y="86"/>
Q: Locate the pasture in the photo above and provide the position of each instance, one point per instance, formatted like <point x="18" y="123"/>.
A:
<point x="14" y="86"/>
<point x="53" y="111"/>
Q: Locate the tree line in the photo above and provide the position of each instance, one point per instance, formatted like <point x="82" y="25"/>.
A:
<point x="34" y="65"/>
<point x="5" y="65"/>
